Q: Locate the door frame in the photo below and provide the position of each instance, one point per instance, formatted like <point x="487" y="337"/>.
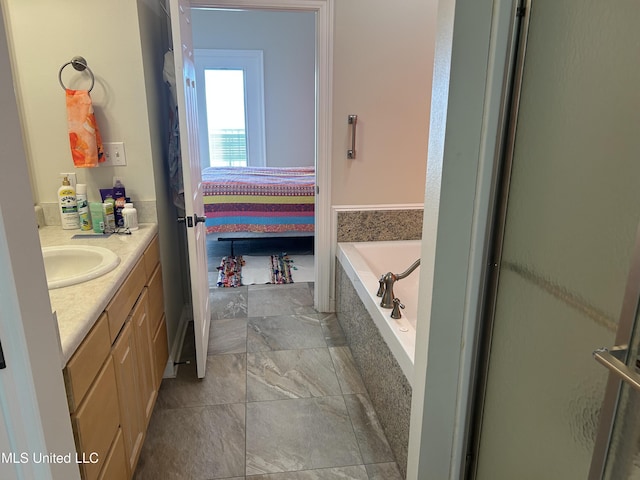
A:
<point x="471" y="62"/>
<point x="324" y="10"/>
<point x="34" y="415"/>
<point x="497" y="219"/>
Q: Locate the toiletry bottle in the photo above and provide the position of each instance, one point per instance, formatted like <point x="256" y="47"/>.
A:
<point x="109" y="199"/>
<point x="83" y="207"/>
<point x="120" y="198"/>
<point x="97" y="217"/>
<point x="130" y="215"/>
<point x="68" y="206"/>
<point x="109" y="217"/>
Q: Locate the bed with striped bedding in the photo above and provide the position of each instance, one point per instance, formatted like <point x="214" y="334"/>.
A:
<point x="259" y="199"/>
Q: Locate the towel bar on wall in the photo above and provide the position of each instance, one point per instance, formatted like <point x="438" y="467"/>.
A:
<point x="80" y="64"/>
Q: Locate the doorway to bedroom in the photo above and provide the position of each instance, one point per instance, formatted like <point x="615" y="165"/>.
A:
<point x="257" y="118"/>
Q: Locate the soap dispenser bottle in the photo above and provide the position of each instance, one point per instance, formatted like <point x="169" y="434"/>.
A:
<point x="68" y="206"/>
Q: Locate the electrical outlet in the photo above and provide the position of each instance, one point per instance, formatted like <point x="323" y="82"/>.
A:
<point x="114" y="154"/>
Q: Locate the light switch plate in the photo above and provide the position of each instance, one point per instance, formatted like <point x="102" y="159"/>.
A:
<point x="114" y="154"/>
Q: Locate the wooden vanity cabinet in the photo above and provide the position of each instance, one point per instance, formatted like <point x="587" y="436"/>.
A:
<point x="113" y="377"/>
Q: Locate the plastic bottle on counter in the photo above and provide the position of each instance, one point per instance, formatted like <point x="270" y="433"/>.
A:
<point x="130" y="216"/>
<point x="83" y="207"/>
<point x="97" y="217"/>
<point x="109" y="217"/>
<point x="68" y="206"/>
<point x="119" y="196"/>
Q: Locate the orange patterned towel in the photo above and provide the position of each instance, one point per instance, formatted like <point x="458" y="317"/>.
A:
<point x="86" y="144"/>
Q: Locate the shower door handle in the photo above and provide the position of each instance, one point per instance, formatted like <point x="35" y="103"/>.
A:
<point x="613" y="359"/>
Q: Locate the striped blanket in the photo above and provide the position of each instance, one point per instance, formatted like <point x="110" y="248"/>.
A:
<point x="259" y="199"/>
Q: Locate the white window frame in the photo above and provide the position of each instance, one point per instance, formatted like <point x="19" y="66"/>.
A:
<point x="251" y="62"/>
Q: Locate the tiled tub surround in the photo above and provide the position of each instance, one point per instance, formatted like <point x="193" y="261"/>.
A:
<point x="364" y="263"/>
<point x="381" y="348"/>
<point x="78" y="307"/>
<point x="382" y="224"/>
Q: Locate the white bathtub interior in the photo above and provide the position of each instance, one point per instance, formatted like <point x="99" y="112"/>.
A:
<point x="364" y="263"/>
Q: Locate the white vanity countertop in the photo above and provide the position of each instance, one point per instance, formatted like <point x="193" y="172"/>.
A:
<point x="78" y="307"/>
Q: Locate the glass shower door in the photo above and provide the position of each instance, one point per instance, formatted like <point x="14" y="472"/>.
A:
<point x="571" y="212"/>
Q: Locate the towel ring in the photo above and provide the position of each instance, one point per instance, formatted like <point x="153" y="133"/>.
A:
<point x="80" y="64"/>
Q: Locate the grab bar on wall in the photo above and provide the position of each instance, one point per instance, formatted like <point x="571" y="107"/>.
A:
<point x="352" y="120"/>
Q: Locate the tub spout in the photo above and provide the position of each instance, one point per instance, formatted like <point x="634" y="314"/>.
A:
<point x="389" y="279"/>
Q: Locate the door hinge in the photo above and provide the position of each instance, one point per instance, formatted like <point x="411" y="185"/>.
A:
<point x="191" y="221"/>
<point x="187" y="220"/>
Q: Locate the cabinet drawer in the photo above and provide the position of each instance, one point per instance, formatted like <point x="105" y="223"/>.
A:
<point x="115" y="465"/>
<point x="122" y="302"/>
<point x="97" y="419"/>
<point x="86" y="362"/>
<point x="160" y="352"/>
<point x="156" y="298"/>
<point x="151" y="257"/>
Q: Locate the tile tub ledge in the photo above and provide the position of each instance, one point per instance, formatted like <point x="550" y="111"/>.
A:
<point x="78" y="307"/>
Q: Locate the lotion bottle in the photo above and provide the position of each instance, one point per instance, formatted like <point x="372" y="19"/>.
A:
<point x="68" y="206"/>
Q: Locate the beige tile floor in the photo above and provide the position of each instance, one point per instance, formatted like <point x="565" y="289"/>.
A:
<point x="282" y="398"/>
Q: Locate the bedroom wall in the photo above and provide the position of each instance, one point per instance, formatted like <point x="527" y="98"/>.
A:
<point x="288" y="42"/>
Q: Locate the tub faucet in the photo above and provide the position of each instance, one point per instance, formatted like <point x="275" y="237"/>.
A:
<point x="397" y="305"/>
<point x="387" y="281"/>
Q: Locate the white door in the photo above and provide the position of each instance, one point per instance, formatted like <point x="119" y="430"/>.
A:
<point x="191" y="171"/>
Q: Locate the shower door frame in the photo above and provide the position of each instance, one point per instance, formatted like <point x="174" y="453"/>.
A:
<point x="503" y="166"/>
<point x="631" y="301"/>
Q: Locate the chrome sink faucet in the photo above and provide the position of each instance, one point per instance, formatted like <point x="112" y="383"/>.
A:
<point x="386" y="284"/>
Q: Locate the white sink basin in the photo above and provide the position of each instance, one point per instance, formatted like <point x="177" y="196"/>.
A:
<point x="71" y="264"/>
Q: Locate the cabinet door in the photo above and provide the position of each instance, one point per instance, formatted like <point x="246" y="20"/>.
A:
<point x="115" y="465"/>
<point x="160" y="352"/>
<point x="96" y="420"/>
<point x="131" y="413"/>
<point x="156" y="298"/>
<point x="144" y="353"/>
